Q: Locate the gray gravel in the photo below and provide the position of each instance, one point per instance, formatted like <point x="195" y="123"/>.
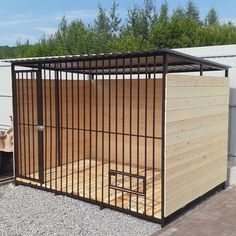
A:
<point x="27" y="211"/>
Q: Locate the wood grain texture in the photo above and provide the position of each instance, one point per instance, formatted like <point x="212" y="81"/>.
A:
<point x="81" y="111"/>
<point x="196" y="137"/>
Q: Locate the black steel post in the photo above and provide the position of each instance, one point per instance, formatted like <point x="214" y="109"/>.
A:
<point x="227" y="73"/>
<point x="164" y="74"/>
<point x="40" y="124"/>
<point x="15" y="121"/>
<point x="201" y="70"/>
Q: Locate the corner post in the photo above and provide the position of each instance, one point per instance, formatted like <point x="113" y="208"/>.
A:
<point x="40" y="123"/>
<point x="227" y="73"/>
<point x="201" y="70"/>
<point x="15" y="126"/>
<point x="164" y="74"/>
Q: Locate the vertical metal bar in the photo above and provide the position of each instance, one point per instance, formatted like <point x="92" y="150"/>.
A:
<point x="153" y="140"/>
<point x="33" y="123"/>
<point x="123" y="129"/>
<point x="164" y="73"/>
<point x="96" y="145"/>
<point x="61" y="125"/>
<point x="67" y="128"/>
<point x="57" y="120"/>
<point x="40" y="122"/>
<point x="28" y="123"/>
<point x="147" y="76"/>
<point x="138" y="101"/>
<point x="50" y="118"/>
<point x="90" y="127"/>
<point x="109" y="129"/>
<point x="23" y="108"/>
<point x="15" y="120"/>
<point x="227" y="73"/>
<point x="84" y="129"/>
<point x="45" y="123"/>
<point x="72" y="113"/>
<point x="78" y="120"/>
<point x="116" y="126"/>
<point x="130" y="137"/>
<point x="102" y="131"/>
<point x="201" y="70"/>
<point x="18" y="98"/>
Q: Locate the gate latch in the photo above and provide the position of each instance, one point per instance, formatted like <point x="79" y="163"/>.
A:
<point x="41" y="128"/>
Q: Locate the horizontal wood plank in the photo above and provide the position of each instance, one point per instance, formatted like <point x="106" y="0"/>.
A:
<point x="186" y="103"/>
<point x="193" y="81"/>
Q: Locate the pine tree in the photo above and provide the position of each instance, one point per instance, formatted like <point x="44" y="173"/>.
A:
<point x="192" y="12"/>
<point x="212" y="17"/>
<point x="114" y="21"/>
<point x="163" y="17"/>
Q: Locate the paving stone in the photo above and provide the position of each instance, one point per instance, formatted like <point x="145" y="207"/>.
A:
<point x="215" y="216"/>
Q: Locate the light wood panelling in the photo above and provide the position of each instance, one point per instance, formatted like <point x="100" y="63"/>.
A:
<point x="190" y="92"/>
<point x="186" y="103"/>
<point x="196" y="138"/>
<point x="76" y="100"/>
<point x="193" y="81"/>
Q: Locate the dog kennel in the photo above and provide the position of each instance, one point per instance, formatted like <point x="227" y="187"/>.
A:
<point x="124" y="131"/>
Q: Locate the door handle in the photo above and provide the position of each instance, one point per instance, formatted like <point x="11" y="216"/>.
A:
<point x="41" y="128"/>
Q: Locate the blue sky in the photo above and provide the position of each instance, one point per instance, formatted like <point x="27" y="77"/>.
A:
<point x="30" y="19"/>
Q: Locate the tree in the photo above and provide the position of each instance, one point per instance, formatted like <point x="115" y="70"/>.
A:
<point x="136" y="22"/>
<point x="150" y="13"/>
<point x="140" y="21"/>
<point x="114" y="21"/>
<point x="101" y="25"/>
<point x="212" y="17"/>
<point x="61" y="38"/>
<point x="163" y="17"/>
<point x="144" y="28"/>
<point x="192" y="12"/>
<point x="101" y="31"/>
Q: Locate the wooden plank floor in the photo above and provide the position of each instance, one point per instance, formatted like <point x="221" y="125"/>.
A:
<point x="88" y="182"/>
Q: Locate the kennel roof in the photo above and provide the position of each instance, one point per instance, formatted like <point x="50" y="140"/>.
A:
<point x="122" y="63"/>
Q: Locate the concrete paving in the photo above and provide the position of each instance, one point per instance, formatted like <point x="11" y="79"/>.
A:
<point x="215" y="216"/>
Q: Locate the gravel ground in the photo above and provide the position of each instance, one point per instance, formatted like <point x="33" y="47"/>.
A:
<point x="28" y="211"/>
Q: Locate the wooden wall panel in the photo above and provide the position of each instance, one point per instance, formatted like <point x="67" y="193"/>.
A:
<point x="76" y="100"/>
<point x="196" y="137"/>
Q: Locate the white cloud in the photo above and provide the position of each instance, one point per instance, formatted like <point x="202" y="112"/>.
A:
<point x="32" y="26"/>
<point x="12" y="38"/>
<point x="11" y="21"/>
<point x="85" y="14"/>
<point x="226" y="20"/>
<point x="47" y="30"/>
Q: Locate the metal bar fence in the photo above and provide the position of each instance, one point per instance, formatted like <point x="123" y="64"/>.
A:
<point x="100" y="132"/>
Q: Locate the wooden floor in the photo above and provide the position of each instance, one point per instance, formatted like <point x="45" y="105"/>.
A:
<point x="88" y="184"/>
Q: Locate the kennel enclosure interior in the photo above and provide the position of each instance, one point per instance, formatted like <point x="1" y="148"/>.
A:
<point x="128" y="131"/>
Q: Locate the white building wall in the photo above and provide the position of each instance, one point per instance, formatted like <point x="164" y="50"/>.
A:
<point x="225" y="55"/>
<point x="5" y="95"/>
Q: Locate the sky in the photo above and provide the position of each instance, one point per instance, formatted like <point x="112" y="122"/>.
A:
<point x="22" y="20"/>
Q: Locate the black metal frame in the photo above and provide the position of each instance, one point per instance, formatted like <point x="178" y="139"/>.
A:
<point x="77" y="65"/>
